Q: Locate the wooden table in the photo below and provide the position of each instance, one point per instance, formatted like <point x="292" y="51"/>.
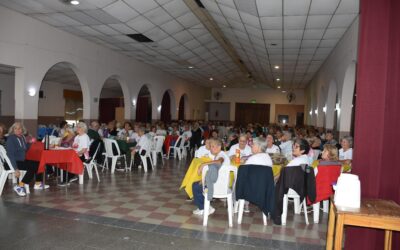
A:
<point x="373" y="213"/>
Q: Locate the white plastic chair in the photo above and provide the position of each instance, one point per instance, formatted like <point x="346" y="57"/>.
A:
<point x="147" y="155"/>
<point x="221" y="190"/>
<point x="4" y="158"/>
<point x="92" y="164"/>
<point x="108" y="144"/>
<point x="3" y="172"/>
<point x="297" y="205"/>
<point x="177" y="148"/>
<point x="158" y="142"/>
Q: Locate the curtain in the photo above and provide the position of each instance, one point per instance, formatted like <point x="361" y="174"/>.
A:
<point x="378" y="91"/>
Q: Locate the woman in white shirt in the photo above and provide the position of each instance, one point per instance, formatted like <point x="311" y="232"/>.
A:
<point x="203" y="151"/>
<point x="245" y="150"/>
<point x="259" y="157"/>
<point x="346" y="152"/>
<point x="81" y="146"/>
<point x="300" y="151"/>
<point x="271" y="147"/>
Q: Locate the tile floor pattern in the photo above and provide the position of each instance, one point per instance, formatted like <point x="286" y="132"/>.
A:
<point x="152" y="201"/>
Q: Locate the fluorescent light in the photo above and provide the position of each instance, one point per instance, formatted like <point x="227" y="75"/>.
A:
<point x="279" y="87"/>
<point x="324" y="109"/>
<point x="211" y="78"/>
<point x="190" y="67"/>
<point x="316" y="111"/>
<point x="276" y="67"/>
<point x="278" y="79"/>
<point x="74" y="2"/>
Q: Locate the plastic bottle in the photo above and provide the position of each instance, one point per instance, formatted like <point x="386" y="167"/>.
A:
<point x="237" y="156"/>
<point x="46" y="142"/>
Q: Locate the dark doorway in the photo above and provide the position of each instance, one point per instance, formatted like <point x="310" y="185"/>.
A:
<point x="246" y="113"/>
<point x="300" y="119"/>
<point x="144" y="107"/>
<point x="166" y="108"/>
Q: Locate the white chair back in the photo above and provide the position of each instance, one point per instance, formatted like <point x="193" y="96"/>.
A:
<point x="158" y="142"/>
<point x="221" y="186"/>
<point x="109" y="148"/>
<point x="4" y="158"/>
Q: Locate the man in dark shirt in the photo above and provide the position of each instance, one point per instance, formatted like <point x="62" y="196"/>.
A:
<point x="93" y="131"/>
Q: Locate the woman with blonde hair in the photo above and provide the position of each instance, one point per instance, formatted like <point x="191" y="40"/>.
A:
<point x="16" y="147"/>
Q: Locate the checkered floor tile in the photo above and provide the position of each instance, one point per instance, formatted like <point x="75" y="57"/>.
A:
<point x="154" y="198"/>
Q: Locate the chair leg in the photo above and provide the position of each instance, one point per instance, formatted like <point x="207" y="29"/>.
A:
<point x="284" y="209"/>
<point x="151" y="162"/>
<point x="205" y="211"/>
<point x="316" y="212"/>
<point x="230" y="210"/>
<point x="144" y="162"/>
<point x="154" y="156"/>
<point x="296" y="202"/>
<point x="162" y="158"/>
<point x="97" y="172"/>
<point x="325" y="205"/>
<point x="113" y="163"/>
<point x="126" y="164"/>
<point x="240" y="213"/>
<point x="3" y="178"/>
<point x="305" y="210"/>
<point x="131" y="163"/>
<point x="264" y="219"/>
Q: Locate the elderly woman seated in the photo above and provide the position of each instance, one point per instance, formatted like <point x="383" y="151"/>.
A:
<point x="271" y="147"/>
<point x="300" y="151"/>
<point x="245" y="150"/>
<point x="258" y="157"/>
<point x="16" y="147"/>
<point x="346" y="152"/>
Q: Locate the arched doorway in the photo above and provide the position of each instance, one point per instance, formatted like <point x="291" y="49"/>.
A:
<point x="144" y="106"/>
<point x="111" y="103"/>
<point x="182" y="107"/>
<point x="166" y="108"/>
<point x="346" y="101"/>
<point x="331" y="99"/>
<point x="60" y="86"/>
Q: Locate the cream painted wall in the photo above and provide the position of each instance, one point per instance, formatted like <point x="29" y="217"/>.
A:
<point x="273" y="97"/>
<point x="7" y="95"/>
<point x="34" y="47"/>
<point x="336" y="76"/>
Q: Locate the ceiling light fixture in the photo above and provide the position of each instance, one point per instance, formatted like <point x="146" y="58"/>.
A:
<point x="74" y="2"/>
<point x="276" y="67"/>
<point x="278" y="79"/>
<point x="279" y="87"/>
<point x="283" y="91"/>
<point x="211" y="78"/>
<point x="224" y="86"/>
<point x="190" y="67"/>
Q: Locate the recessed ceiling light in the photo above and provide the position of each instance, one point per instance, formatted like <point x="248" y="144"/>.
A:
<point x="224" y="86"/>
<point x="276" y="67"/>
<point x="278" y="79"/>
<point x="279" y="87"/>
<point x="74" y="2"/>
<point x="283" y="91"/>
<point x="190" y="67"/>
<point x="211" y="78"/>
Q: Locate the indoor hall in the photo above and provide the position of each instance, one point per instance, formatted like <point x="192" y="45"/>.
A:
<point x="325" y="65"/>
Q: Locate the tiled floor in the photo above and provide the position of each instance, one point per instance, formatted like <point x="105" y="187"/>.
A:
<point x="151" y="202"/>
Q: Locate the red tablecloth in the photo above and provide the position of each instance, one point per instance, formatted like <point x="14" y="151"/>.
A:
<point x="168" y="140"/>
<point x="66" y="159"/>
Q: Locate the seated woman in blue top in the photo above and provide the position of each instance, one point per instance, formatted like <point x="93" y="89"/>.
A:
<point x="17" y="147"/>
